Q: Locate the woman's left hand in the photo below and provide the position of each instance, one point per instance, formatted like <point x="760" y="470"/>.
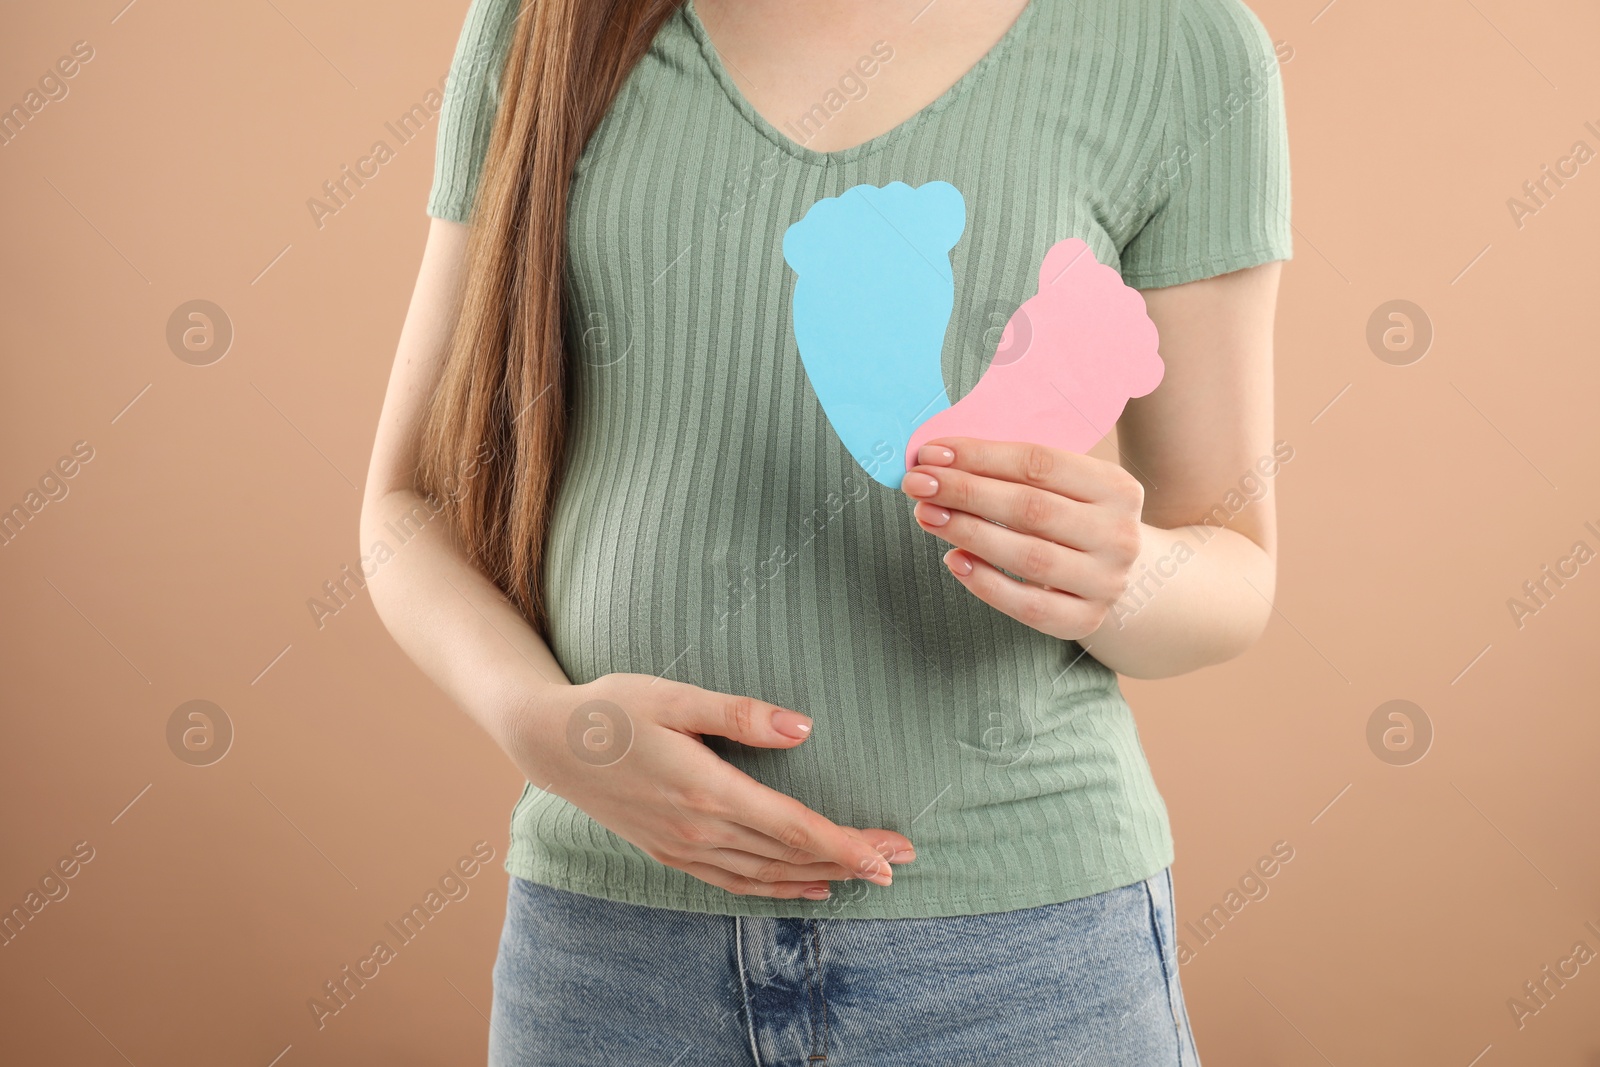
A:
<point x="1066" y="523"/>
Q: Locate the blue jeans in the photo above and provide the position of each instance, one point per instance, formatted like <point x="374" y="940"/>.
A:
<point x="1087" y="983"/>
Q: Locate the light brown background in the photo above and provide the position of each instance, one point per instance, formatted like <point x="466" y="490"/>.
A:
<point x="180" y="564"/>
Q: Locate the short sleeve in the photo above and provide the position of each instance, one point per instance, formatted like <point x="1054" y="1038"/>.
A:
<point x="471" y="97"/>
<point x="1220" y="197"/>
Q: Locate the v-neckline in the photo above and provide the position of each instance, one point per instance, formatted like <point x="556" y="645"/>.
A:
<point x="759" y="122"/>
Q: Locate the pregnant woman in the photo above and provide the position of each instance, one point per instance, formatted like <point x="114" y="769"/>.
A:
<point x="825" y="753"/>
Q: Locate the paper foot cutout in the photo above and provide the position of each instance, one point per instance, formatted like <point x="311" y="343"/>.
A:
<point x="1068" y="362"/>
<point x="872" y="300"/>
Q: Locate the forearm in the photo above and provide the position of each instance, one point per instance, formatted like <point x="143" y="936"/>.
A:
<point x="453" y="622"/>
<point x="1197" y="595"/>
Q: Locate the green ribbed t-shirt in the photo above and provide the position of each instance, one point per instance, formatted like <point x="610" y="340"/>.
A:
<point x="711" y="527"/>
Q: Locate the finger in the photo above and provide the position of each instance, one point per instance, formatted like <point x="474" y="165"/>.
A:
<point x="724" y="835"/>
<point x="1056" y="470"/>
<point x="1049" y="611"/>
<point x="749" y="887"/>
<point x="734" y="837"/>
<point x="717" y="842"/>
<point x="721" y="793"/>
<point x="892" y="846"/>
<point x="1039" y="561"/>
<point x="767" y="869"/>
<point x="738" y="718"/>
<point x="1020" y="507"/>
<point x="808" y="834"/>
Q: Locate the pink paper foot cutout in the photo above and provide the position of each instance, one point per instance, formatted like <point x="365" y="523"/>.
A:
<point x="1068" y="362"/>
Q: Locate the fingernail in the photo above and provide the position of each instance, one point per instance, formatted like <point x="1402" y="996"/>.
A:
<point x="815" y="892"/>
<point x="875" y="869"/>
<point x="938" y="455"/>
<point x="933" y="515"/>
<point x="958" y="563"/>
<point x="918" y="484"/>
<point x="791" y="724"/>
<point x="905" y="855"/>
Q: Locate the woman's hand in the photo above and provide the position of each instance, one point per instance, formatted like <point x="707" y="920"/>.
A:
<point x="1066" y="523"/>
<point x="627" y="750"/>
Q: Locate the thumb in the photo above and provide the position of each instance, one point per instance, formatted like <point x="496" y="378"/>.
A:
<point x="742" y="719"/>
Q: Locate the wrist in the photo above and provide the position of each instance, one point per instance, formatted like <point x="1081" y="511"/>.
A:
<point x="523" y="723"/>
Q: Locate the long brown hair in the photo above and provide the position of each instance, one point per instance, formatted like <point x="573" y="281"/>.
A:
<point x="503" y="393"/>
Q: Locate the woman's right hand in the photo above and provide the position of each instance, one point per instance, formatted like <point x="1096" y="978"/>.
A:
<point x="627" y="750"/>
<point x="669" y="793"/>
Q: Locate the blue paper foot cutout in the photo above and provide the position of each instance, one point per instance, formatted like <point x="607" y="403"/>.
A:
<point x="872" y="301"/>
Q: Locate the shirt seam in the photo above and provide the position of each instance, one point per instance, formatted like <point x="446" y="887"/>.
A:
<point x="983" y="903"/>
<point x="1274" y="250"/>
